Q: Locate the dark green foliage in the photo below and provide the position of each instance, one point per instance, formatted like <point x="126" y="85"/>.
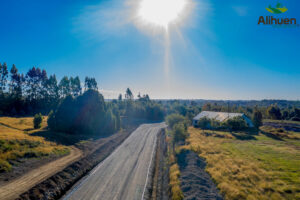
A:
<point x="180" y="132"/>
<point x="37" y="120"/>
<point x="257" y="119"/>
<point x="90" y="84"/>
<point x="204" y="123"/>
<point x="236" y="124"/>
<point x="174" y="119"/>
<point x="3" y="77"/>
<point x="85" y="114"/>
<point x="274" y="112"/>
<point x="128" y="94"/>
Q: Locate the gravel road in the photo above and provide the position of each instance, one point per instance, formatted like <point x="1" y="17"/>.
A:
<point x="122" y="175"/>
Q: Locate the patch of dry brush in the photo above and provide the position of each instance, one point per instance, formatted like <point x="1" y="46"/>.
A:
<point x="262" y="168"/>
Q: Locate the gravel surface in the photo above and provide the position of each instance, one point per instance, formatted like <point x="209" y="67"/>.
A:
<point x="122" y="175"/>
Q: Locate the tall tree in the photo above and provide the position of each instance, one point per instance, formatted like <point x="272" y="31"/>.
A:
<point x="120" y="97"/>
<point x="35" y="82"/>
<point x="128" y="94"/>
<point x="257" y="119"/>
<point x="64" y="87"/>
<point x="75" y="86"/>
<point x="52" y="90"/>
<point x="90" y="83"/>
<point x="16" y="82"/>
<point x="3" y="77"/>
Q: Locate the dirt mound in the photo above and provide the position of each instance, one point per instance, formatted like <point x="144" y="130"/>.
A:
<point x="196" y="183"/>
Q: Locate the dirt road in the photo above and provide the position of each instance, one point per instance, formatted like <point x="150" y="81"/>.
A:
<point x="16" y="187"/>
<point x="122" y="175"/>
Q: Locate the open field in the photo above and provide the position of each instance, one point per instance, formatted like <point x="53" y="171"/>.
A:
<point x="17" y="141"/>
<point x="250" y="166"/>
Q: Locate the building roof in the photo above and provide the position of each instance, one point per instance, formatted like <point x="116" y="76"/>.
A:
<point x="220" y="116"/>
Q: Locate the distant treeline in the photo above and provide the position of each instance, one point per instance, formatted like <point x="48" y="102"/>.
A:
<point x="270" y="109"/>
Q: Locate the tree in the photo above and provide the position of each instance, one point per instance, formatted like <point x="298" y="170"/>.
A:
<point x="274" y="112"/>
<point x="236" y="123"/>
<point x="179" y="131"/>
<point x="52" y="88"/>
<point x="90" y="83"/>
<point x="35" y="81"/>
<point x="204" y="123"/>
<point x="174" y="119"/>
<point x="64" y="87"/>
<point x="120" y="97"/>
<point x="3" y="77"/>
<point x="37" y="120"/>
<point x="75" y="86"/>
<point x="16" y="82"/>
<point x="257" y="119"/>
<point x="128" y="94"/>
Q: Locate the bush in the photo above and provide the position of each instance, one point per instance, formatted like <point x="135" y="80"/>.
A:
<point x="4" y="166"/>
<point x="175" y="119"/>
<point x="236" y="123"/>
<point x="179" y="131"/>
<point x="37" y="121"/>
<point x="204" y="123"/>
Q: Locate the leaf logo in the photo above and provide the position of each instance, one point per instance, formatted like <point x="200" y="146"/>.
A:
<point x="278" y="9"/>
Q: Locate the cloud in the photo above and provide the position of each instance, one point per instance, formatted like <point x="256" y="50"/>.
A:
<point x="240" y="10"/>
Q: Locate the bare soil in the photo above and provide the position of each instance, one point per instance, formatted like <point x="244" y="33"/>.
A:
<point x="34" y="172"/>
<point x="195" y="182"/>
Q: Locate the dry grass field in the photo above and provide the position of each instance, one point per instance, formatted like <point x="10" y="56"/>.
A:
<point x="250" y="167"/>
<point x="16" y="142"/>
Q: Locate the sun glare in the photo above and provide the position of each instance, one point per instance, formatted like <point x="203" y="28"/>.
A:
<point x="161" y="12"/>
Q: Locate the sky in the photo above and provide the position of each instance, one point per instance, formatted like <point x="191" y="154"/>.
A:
<point x="217" y="51"/>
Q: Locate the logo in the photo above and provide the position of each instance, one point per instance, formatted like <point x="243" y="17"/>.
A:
<point x="278" y="9"/>
<point x="277" y="22"/>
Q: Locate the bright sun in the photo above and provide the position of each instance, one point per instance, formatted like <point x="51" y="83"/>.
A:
<point x="161" y="12"/>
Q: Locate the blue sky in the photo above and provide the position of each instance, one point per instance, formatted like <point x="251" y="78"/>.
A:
<point x="219" y="52"/>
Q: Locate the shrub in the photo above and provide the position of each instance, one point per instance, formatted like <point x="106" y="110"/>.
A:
<point x="180" y="132"/>
<point x="204" y="123"/>
<point x="236" y="123"/>
<point x="174" y="119"/>
<point x="37" y="121"/>
<point x="4" y="166"/>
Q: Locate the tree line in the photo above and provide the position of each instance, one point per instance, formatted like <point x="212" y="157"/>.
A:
<point x="35" y="91"/>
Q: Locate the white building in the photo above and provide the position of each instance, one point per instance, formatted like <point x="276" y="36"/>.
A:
<point x="220" y="116"/>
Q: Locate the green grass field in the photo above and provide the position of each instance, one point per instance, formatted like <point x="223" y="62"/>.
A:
<point x="17" y="141"/>
<point x="256" y="167"/>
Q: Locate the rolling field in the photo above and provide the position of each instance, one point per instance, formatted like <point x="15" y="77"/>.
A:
<point x="17" y="142"/>
<point x="251" y="166"/>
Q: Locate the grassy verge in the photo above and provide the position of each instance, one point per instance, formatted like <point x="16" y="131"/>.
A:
<point x="17" y="142"/>
<point x="256" y="167"/>
<point x="174" y="173"/>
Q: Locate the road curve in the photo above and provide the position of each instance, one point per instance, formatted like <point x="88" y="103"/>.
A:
<point x="122" y="175"/>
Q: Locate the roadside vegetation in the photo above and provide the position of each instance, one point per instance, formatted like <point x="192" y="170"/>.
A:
<point x="17" y="142"/>
<point x="256" y="167"/>
<point x="176" y="135"/>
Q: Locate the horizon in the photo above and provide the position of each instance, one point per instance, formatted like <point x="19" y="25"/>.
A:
<point x="215" y="51"/>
